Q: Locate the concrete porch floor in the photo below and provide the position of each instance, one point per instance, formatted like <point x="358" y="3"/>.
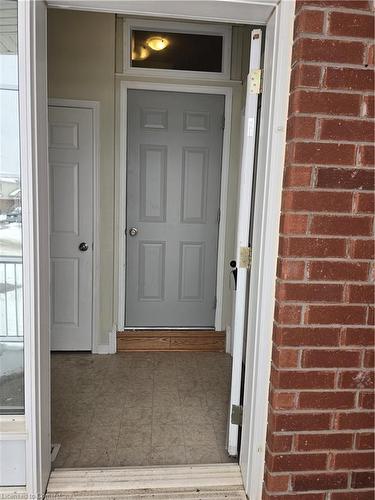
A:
<point x="140" y="408"/>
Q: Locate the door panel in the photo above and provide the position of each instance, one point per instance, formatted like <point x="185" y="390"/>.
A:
<point x="173" y="195"/>
<point x="71" y="161"/>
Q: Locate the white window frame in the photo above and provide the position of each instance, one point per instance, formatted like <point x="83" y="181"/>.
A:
<point x="178" y="27"/>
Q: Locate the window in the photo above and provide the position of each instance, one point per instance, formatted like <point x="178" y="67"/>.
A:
<point x="195" y="50"/>
<point x="11" y="327"/>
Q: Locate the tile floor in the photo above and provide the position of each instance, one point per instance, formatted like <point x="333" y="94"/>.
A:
<point x="140" y="408"/>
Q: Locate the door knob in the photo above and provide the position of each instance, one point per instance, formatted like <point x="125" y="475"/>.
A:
<point x="83" y="247"/>
<point x="133" y="231"/>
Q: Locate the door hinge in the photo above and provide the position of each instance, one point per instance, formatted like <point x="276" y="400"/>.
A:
<point x="236" y="416"/>
<point x="218" y="215"/>
<point x="245" y="257"/>
<point x="223" y="122"/>
<point x="255" y="81"/>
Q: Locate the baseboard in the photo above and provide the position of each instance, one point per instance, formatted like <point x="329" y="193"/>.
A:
<point x="109" y="348"/>
<point x="171" y="340"/>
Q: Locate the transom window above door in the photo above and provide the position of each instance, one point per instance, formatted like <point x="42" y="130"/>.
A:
<point x="174" y="48"/>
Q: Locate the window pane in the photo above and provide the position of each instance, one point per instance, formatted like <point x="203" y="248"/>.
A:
<point x="11" y="327"/>
<point x="178" y="51"/>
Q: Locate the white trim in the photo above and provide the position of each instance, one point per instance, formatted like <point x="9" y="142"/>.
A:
<point x="111" y="347"/>
<point x="121" y="193"/>
<point x="224" y="31"/>
<point x="95" y="107"/>
<point x="277" y="67"/>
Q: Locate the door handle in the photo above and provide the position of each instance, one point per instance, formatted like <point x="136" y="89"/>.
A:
<point x="133" y="231"/>
<point x="233" y="265"/>
<point x="83" y="247"/>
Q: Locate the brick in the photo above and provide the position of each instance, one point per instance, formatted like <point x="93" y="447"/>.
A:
<point x="282" y="400"/>
<point x="307" y="496"/>
<point x="293" y="224"/>
<point x="341" y="225"/>
<point x="368" y="361"/>
<point x="366" y="156"/>
<point x="364" y="202"/>
<point x="323" y="153"/>
<point x="363" y="479"/>
<point x="312" y="247"/>
<point x="366" y="400"/>
<point x="342" y="23"/>
<point x="309" y="21"/>
<point x="365" y="441"/>
<point x="330" y="359"/>
<point x="355" y="420"/>
<point x="369" y="106"/>
<point x="360" y="495"/>
<point x="335" y="315"/>
<point x="291" y="379"/>
<point x="361" y="379"/>
<point x="342" y="4"/>
<point x="302" y="127"/>
<point x="339" y="178"/>
<point x="370" y="57"/>
<point x="297" y="177"/>
<point x="359" y="460"/>
<point x="287" y="314"/>
<point x="276" y="483"/>
<point x="330" y="103"/>
<point x="307" y="336"/>
<point x="297" y="462"/>
<point x="326" y="400"/>
<point x="349" y="78"/>
<point x="362" y="249"/>
<point x="290" y="269"/>
<point x="364" y="294"/>
<point x="324" y="50"/>
<point x="280" y="443"/>
<point x="304" y="292"/>
<point x="317" y="201"/>
<point x="338" y="271"/>
<point x="321" y="481"/>
<point x="285" y="358"/>
<point x="305" y="75"/>
<point x="359" y="336"/>
<point x="371" y="316"/>
<point x="347" y="130"/>
<point x="317" y="442"/>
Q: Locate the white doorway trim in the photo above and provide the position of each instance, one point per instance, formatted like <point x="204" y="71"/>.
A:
<point x="121" y="190"/>
<point x="95" y="107"/>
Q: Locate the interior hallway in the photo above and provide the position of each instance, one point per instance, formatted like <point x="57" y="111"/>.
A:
<point x="140" y="408"/>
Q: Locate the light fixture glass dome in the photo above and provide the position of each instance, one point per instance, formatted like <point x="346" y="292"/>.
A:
<point x="157" y="43"/>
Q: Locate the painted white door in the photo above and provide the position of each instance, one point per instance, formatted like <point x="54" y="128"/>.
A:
<point x="243" y="236"/>
<point x="173" y="199"/>
<point x="71" y="227"/>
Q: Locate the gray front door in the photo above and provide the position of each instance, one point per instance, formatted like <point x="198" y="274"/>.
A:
<point x="173" y="194"/>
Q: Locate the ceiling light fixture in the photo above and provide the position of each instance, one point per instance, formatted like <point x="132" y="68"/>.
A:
<point x="157" y="43"/>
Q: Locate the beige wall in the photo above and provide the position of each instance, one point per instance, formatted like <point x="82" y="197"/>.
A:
<point x="81" y="61"/>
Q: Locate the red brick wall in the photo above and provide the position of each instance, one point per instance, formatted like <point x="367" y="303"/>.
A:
<point x="319" y="430"/>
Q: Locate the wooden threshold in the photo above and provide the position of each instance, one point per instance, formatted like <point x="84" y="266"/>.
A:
<point x="216" y="481"/>
<point x="170" y="340"/>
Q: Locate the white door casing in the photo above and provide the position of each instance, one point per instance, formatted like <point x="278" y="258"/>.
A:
<point x="173" y="199"/>
<point x="71" y="227"/>
<point x="243" y="228"/>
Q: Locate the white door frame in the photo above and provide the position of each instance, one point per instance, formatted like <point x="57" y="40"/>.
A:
<point x="278" y="17"/>
<point x="94" y="106"/>
<point x="121" y="191"/>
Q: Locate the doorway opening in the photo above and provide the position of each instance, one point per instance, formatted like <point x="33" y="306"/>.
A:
<point x="172" y="191"/>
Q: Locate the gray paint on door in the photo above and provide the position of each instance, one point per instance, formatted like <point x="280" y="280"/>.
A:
<point x="173" y="200"/>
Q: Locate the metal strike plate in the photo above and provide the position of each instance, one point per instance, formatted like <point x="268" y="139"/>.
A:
<point x="255" y="81"/>
<point x="236" y="416"/>
<point x="245" y="257"/>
